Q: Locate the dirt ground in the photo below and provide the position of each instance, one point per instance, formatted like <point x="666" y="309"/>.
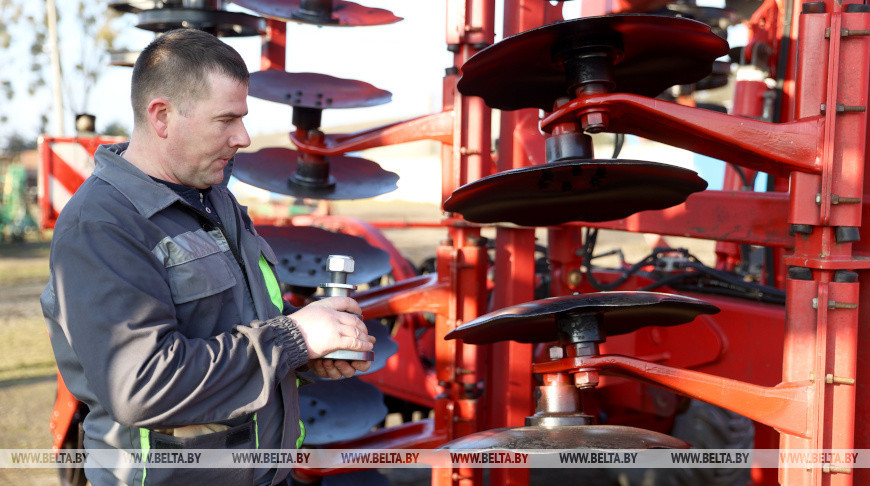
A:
<point x="27" y="372"/>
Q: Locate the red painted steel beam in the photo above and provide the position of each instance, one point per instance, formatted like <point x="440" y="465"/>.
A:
<point x="425" y="293"/>
<point x="437" y="127"/>
<point x="273" y="52"/>
<point x="753" y="218"/>
<point x="405" y="376"/>
<point x="750" y="93"/>
<point x="823" y="312"/>
<point x="65" y="406"/>
<point x="777" y="148"/>
<point x="784" y="407"/>
<point x="509" y="382"/>
<point x="461" y="259"/>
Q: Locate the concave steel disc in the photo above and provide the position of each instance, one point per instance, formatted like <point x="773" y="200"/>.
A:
<point x="312" y="90"/>
<point x="717" y="79"/>
<point x="339" y="410"/>
<point x="123" y="58"/>
<point x="384" y="348"/>
<point x="622" y="312"/>
<point x="219" y="22"/>
<point x="591" y="190"/>
<point x="523" y="71"/>
<point x="133" y="6"/>
<point x="344" y="14"/>
<point x="567" y="437"/>
<point x="302" y="252"/>
<point x="353" y="178"/>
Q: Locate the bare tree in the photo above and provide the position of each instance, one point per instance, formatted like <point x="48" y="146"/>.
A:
<point x="99" y="36"/>
<point x="88" y="29"/>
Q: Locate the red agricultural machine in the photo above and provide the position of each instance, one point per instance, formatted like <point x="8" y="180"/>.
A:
<point x="508" y="347"/>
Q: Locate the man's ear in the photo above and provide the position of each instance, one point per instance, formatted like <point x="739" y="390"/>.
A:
<point x="159" y="112"/>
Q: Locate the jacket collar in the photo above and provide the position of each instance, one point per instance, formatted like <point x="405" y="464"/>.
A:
<point x="146" y="195"/>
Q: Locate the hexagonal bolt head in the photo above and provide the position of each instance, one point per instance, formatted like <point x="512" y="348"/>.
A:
<point x="339" y="263"/>
<point x="586" y="379"/>
<point x="594" y="122"/>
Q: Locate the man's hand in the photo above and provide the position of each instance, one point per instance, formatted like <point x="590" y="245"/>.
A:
<point x="335" y="369"/>
<point x="331" y="324"/>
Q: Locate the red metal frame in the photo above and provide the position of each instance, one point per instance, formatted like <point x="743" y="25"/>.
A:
<point x="65" y="408"/>
<point x="437" y="127"/>
<point x="462" y="259"/>
<point x="817" y="150"/>
<point x="53" y="167"/>
<point x="822" y="155"/>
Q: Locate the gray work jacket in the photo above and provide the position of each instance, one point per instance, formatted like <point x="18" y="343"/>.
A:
<point x="159" y="319"/>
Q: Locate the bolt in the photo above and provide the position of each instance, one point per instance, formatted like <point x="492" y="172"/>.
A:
<point x="831" y="379"/>
<point x="835" y="199"/>
<point x="828" y="469"/>
<point x="835" y="305"/>
<point x="556" y="352"/>
<point x="594" y="122"/>
<point x="340" y="263"/>
<point x="586" y="379"/>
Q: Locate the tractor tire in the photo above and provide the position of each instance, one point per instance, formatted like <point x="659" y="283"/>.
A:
<point x="704" y="426"/>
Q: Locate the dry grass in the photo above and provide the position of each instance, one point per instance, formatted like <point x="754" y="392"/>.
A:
<point x="27" y="370"/>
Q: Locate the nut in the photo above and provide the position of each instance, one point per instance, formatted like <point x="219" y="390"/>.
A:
<point x="594" y="122"/>
<point x="586" y="379"/>
<point x="339" y="263"/>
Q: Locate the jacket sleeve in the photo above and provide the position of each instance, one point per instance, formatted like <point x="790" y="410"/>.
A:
<point x="115" y="307"/>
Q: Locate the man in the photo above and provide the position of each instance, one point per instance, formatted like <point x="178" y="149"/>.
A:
<point x="163" y="308"/>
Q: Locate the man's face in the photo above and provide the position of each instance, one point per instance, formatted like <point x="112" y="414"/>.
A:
<point x="207" y="133"/>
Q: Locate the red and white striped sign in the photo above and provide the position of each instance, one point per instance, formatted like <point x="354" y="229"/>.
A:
<point x="65" y="163"/>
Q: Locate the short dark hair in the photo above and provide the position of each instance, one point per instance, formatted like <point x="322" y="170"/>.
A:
<point x="176" y="66"/>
